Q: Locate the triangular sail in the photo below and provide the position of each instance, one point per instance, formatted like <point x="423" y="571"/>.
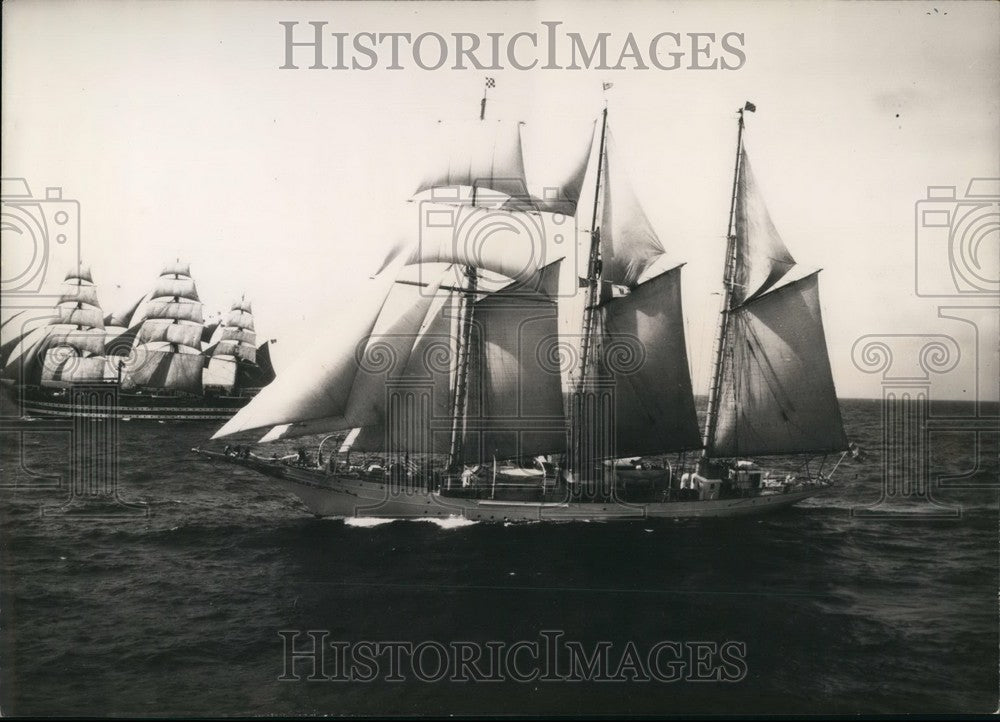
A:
<point x="629" y="244"/>
<point x="777" y="394"/>
<point x="761" y="256"/>
<point x="645" y="353"/>
<point x="318" y="385"/>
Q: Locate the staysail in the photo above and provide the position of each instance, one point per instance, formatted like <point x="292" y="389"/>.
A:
<point x="761" y="256"/>
<point x="628" y="242"/>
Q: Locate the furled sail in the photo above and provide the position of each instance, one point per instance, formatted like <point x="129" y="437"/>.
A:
<point x="777" y="394"/>
<point x="761" y="256"/>
<point x="646" y="356"/>
<point x="482" y="155"/>
<point x="515" y="405"/>
<point x="167" y="351"/>
<point x="628" y="242"/>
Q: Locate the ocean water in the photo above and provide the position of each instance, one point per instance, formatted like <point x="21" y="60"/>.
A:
<point x="177" y="610"/>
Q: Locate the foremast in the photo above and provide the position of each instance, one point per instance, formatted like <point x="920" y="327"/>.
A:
<point x="467" y="300"/>
<point x="728" y="273"/>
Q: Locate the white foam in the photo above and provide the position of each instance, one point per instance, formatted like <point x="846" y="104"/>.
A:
<point x="450" y="522"/>
<point x="367" y="522"/>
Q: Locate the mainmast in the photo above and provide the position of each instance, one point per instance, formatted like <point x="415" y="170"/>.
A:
<point x="464" y="339"/>
<point x="593" y="263"/>
<point x="727" y="282"/>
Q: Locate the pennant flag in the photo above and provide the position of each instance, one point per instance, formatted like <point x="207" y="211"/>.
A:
<point x="608" y="86"/>
<point x="750" y="107"/>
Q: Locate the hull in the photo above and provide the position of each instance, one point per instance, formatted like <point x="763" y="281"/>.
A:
<point x="331" y="495"/>
<point x="46" y="403"/>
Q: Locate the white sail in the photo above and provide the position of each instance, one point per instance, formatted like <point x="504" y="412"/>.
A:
<point x="176" y="268"/>
<point x="628" y="242"/>
<point x="239" y="335"/>
<point x="761" y="256"/>
<point x="235" y="349"/>
<point x="220" y="372"/>
<point x="156" y="330"/>
<point x="515" y="404"/>
<point x="83" y="340"/>
<point x="81" y="273"/>
<point x="646" y="355"/>
<point x="318" y="384"/>
<point x="777" y="394"/>
<point x="510" y="243"/>
<point x="180" y="310"/>
<point x="484" y="155"/>
<point x="168" y="287"/>
<point x="82" y="316"/>
<point x="79" y="293"/>
<point x="555" y="168"/>
<point x="63" y="368"/>
<point x="160" y="366"/>
<point x="429" y="370"/>
<point x="240" y="317"/>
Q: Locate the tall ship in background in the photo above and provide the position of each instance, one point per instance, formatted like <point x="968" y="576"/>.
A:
<point x="492" y="379"/>
<point x="164" y="361"/>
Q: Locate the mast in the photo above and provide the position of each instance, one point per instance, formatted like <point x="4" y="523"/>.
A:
<point x="463" y="341"/>
<point x="727" y="282"/>
<point x="593" y="263"/>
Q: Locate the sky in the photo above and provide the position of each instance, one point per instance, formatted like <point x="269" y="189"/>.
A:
<point x="177" y="131"/>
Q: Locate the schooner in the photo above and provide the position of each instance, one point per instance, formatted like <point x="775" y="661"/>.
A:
<point x="489" y="378"/>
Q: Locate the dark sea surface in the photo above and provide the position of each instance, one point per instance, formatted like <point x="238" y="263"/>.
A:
<point x="178" y="611"/>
